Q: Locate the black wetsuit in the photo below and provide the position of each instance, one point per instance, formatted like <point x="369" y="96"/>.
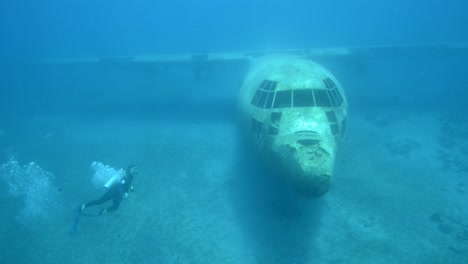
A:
<point x="116" y="192"/>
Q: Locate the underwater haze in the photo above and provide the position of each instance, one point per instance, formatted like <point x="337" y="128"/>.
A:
<point x="76" y="109"/>
<point x="108" y="28"/>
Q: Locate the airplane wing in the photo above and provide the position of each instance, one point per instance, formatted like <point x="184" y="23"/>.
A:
<point x="312" y="53"/>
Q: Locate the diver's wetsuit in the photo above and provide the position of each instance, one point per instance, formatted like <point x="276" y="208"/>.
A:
<point x="116" y="193"/>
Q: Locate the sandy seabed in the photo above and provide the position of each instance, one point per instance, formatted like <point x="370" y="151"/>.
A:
<point x="398" y="195"/>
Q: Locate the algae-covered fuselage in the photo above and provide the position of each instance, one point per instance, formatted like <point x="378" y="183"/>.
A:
<point x="293" y="111"/>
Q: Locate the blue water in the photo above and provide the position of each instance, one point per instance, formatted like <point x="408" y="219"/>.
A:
<point x="88" y="27"/>
<point x="399" y="190"/>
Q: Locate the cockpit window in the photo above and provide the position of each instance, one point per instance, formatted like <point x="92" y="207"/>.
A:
<point x="275" y="117"/>
<point x="263" y="98"/>
<point x="338" y="96"/>
<point x="274" y="124"/>
<point x="333" y="93"/>
<point x="321" y="98"/>
<point x="257" y="127"/>
<point x="335" y="97"/>
<point x="334" y="129"/>
<point x="283" y="99"/>
<point x="273" y="130"/>
<point x="257" y="95"/>
<point x="329" y="83"/>
<point x="303" y="98"/>
<point x="343" y="128"/>
<point x="269" y="100"/>
<point x="331" y="116"/>
<point x="268" y="85"/>
<point x="264" y="95"/>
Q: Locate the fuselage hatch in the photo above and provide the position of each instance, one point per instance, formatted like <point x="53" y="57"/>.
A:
<point x="293" y="112"/>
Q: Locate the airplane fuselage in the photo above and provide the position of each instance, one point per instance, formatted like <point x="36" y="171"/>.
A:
<point x="293" y="111"/>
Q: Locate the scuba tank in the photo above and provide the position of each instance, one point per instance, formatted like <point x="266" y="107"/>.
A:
<point x="115" y="179"/>
<point x="105" y="175"/>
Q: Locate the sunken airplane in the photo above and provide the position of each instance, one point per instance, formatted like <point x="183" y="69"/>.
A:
<point x="292" y="110"/>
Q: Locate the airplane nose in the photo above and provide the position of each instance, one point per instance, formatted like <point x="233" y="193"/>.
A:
<point x="308" y="165"/>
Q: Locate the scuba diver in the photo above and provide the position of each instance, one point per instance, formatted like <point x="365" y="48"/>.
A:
<point x="117" y="191"/>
